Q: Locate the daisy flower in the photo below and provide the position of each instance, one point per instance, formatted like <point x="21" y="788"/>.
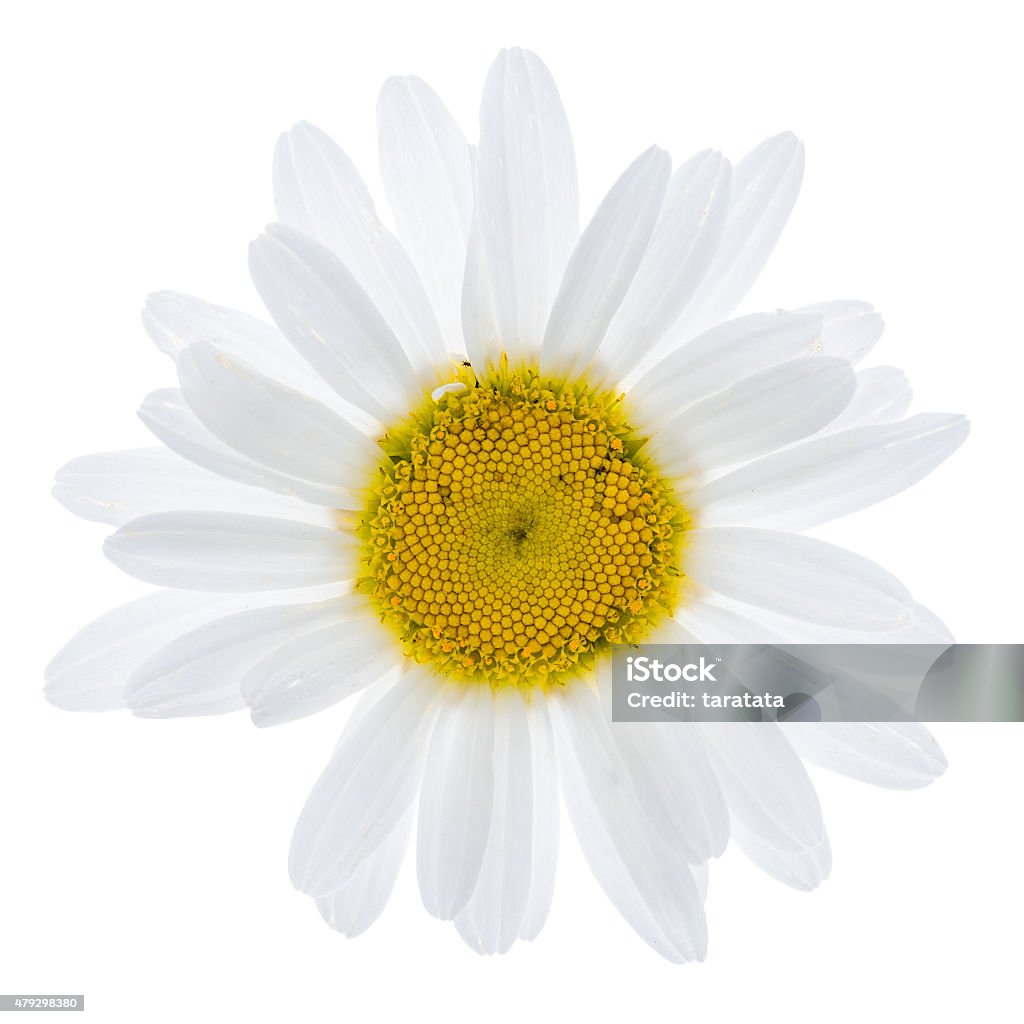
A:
<point x="465" y="459"/>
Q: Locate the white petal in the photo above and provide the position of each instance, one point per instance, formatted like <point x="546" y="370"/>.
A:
<point x="804" y="870"/>
<point x="669" y="631"/>
<point x="331" y="321"/>
<point x="114" y="487"/>
<point x="226" y="552"/>
<point x="925" y="627"/>
<point x="527" y="200"/>
<point x="675" y="786"/>
<point x="776" y="816"/>
<point x="320" y="668"/>
<point x="719" y="358"/>
<point x="769" y="409"/>
<point x="883" y="396"/>
<point x="765" y="783"/>
<point x="90" y="670"/>
<point x="829" y="477"/>
<point x="491" y="920"/>
<point x="896" y="755"/>
<point x="354" y="907"/>
<point x="851" y="328"/>
<point x="272" y="424"/>
<point x="546" y="817"/>
<point x="200" y="672"/>
<point x="764" y="190"/>
<point x="603" y="265"/>
<point x="174" y="321"/>
<point x="798" y="577"/>
<point x="653" y="890"/>
<point x="701" y="877"/>
<point x="709" y="623"/>
<point x="368" y="699"/>
<point x="680" y="252"/>
<point x="480" y="327"/>
<point x="425" y="165"/>
<point x="366" y="790"/>
<point x="319" y="191"/>
<point x="456" y="800"/>
<point x="921" y="627"/>
<point x="166" y="414"/>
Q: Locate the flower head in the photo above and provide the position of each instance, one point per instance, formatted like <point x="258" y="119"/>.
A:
<point x="465" y="461"/>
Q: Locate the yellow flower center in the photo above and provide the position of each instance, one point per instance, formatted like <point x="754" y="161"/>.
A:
<point x="515" y="532"/>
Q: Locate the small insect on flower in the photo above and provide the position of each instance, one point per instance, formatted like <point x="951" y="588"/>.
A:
<point x="468" y="458"/>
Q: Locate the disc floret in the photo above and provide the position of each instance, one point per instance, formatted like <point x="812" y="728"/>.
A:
<point x="515" y="531"/>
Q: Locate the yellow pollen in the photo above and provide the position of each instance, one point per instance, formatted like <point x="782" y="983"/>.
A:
<point x="516" y="531"/>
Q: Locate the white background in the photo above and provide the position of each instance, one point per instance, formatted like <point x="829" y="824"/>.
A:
<point x="144" y="860"/>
